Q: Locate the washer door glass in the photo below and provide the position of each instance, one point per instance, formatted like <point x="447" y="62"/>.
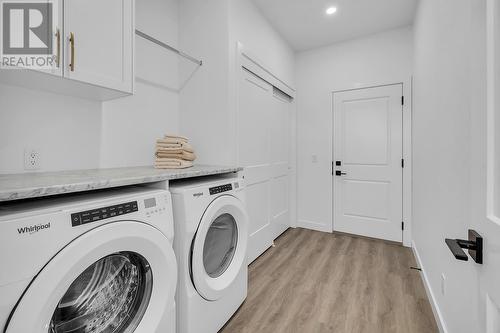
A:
<point x="110" y="296"/>
<point x="220" y="245"/>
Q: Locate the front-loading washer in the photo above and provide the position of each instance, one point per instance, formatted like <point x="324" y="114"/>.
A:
<point x="96" y="262"/>
<point x="211" y="235"/>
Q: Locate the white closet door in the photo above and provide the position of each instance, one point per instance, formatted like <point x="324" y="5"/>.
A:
<point x="280" y="151"/>
<point x="263" y="149"/>
<point x="253" y="153"/>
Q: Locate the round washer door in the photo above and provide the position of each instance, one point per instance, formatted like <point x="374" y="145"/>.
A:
<point x="116" y="278"/>
<point x="220" y="246"/>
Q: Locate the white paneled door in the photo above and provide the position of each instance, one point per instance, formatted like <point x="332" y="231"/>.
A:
<point x="280" y="153"/>
<point x="367" y="165"/>
<point x="263" y="149"/>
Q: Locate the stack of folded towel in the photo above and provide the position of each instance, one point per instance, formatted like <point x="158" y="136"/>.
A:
<point x="174" y="152"/>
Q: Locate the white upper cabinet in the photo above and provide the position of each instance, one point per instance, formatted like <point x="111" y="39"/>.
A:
<point x="92" y="48"/>
<point x="99" y="42"/>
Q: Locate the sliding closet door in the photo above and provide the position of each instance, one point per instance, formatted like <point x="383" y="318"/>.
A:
<point x="280" y="151"/>
<point x="253" y="154"/>
<point x="263" y="149"/>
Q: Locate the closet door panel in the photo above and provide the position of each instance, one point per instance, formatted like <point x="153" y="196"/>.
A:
<point x="280" y="212"/>
<point x="254" y="154"/>
<point x="280" y="152"/>
<point x="264" y="150"/>
<point x="260" y="235"/>
<point x="253" y="127"/>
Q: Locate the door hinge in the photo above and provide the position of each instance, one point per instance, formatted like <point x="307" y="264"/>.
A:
<point x="402" y="225"/>
<point x="402" y="162"/>
<point x="402" y="100"/>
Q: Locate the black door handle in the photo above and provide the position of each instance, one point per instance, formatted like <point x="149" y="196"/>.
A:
<point x="474" y="245"/>
<point x="456" y="250"/>
<point x="340" y="173"/>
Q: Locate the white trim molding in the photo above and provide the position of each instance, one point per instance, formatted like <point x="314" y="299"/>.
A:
<point x="430" y="294"/>
<point x="493" y="95"/>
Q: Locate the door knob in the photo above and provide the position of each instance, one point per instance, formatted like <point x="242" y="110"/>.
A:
<point x="474" y="245"/>
<point x="340" y="173"/>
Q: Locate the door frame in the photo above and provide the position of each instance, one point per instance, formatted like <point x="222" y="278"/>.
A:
<point x="492" y="104"/>
<point x="407" y="85"/>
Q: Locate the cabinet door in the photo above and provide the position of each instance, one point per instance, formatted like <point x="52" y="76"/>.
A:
<point x="57" y="39"/>
<point x="99" y="42"/>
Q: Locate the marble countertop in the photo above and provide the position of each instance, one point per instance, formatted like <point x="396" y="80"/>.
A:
<point x="33" y="185"/>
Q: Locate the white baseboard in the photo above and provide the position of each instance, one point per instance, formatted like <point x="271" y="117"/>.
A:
<point x="430" y="295"/>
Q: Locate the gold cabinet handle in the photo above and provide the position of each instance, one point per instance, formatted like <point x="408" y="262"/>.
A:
<point x="58" y="41"/>
<point x="72" y="42"/>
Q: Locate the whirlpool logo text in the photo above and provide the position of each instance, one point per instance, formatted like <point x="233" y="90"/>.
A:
<point x="33" y="228"/>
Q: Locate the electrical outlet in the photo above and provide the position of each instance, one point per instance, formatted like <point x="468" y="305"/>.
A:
<point x="443" y="284"/>
<point x="314" y="158"/>
<point x="31" y="159"/>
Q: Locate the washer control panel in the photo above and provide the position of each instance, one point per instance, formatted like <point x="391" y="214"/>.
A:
<point x="103" y="213"/>
<point x="220" y="189"/>
<point x="155" y="205"/>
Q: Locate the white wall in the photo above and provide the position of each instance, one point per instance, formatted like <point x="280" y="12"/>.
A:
<point x="204" y="116"/>
<point x="131" y="125"/>
<point x="379" y="59"/>
<point x="448" y="117"/>
<point x="251" y="28"/>
<point x="65" y="130"/>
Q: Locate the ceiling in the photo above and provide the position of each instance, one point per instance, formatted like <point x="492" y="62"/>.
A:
<point x="305" y="25"/>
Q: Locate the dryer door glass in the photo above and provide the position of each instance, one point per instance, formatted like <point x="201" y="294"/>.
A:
<point x="110" y="296"/>
<point x="220" y="245"/>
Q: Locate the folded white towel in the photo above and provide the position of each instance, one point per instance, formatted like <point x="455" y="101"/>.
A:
<point x="182" y="155"/>
<point x="176" y="137"/>
<point x="172" y="163"/>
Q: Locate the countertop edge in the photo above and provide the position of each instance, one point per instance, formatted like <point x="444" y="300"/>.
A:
<point x="30" y="192"/>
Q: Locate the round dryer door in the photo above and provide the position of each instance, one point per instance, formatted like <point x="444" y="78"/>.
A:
<point x="117" y="278"/>
<point x="219" y="248"/>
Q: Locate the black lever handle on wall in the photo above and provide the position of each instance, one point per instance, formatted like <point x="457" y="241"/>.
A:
<point x="474" y="245"/>
<point x="340" y="173"/>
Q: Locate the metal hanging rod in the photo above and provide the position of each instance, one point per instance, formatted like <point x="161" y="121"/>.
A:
<point x="168" y="47"/>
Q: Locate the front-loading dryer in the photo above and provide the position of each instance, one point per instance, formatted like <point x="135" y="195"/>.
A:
<point x="98" y="262"/>
<point x="211" y="235"/>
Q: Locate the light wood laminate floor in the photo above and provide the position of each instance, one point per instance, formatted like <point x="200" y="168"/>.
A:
<point x="320" y="282"/>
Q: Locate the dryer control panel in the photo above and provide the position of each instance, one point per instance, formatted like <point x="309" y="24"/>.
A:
<point x="103" y="213"/>
<point x="220" y="189"/>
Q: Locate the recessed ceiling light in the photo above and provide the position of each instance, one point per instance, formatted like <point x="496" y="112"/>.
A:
<point x="331" y="10"/>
